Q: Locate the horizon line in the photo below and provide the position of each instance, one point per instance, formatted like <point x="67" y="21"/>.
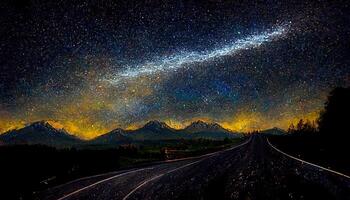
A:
<point x="51" y="123"/>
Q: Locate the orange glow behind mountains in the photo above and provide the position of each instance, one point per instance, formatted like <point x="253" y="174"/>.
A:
<point x="243" y="122"/>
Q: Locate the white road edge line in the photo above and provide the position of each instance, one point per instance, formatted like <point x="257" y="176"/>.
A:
<point x="158" y="176"/>
<point x="101" y="181"/>
<point x="122" y="174"/>
<point x="93" y="176"/>
<point x="168" y="172"/>
<point x="303" y="161"/>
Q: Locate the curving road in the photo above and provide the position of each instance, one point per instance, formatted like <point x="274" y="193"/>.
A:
<point x="252" y="170"/>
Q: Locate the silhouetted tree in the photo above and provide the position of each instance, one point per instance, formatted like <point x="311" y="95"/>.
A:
<point x="329" y="142"/>
<point x="302" y="127"/>
<point x="335" y="119"/>
<point x="309" y="127"/>
<point x="291" y="128"/>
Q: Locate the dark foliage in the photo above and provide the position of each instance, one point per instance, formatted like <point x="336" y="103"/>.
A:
<point x="302" y="128"/>
<point x="335" y="119"/>
<point x="327" y="145"/>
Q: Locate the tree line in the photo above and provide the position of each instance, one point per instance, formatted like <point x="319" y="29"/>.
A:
<point x="334" y="119"/>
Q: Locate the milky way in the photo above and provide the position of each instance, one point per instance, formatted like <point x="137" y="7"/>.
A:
<point x="92" y="66"/>
<point x="172" y="63"/>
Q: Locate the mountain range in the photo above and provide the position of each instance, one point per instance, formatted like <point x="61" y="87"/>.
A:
<point x="43" y="133"/>
<point x="40" y="132"/>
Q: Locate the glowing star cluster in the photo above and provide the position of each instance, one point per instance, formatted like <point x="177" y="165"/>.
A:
<point x="172" y="63"/>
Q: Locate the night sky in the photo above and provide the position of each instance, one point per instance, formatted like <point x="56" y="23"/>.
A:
<point x="92" y="66"/>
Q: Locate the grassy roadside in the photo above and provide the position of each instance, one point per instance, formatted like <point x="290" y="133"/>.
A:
<point x="176" y="149"/>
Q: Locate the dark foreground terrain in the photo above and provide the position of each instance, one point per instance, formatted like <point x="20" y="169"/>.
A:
<point x="252" y="170"/>
<point x="322" y="150"/>
<point x="27" y="169"/>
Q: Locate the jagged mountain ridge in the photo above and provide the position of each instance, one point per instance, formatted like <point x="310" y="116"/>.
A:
<point x="155" y="130"/>
<point x="43" y="133"/>
<point x="200" y="129"/>
<point x="201" y="126"/>
<point x="40" y="132"/>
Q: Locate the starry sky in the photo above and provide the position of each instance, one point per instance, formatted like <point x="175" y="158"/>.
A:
<point x="92" y="66"/>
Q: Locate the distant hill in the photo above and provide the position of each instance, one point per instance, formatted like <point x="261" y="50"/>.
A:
<point x="116" y="136"/>
<point x="155" y="130"/>
<point x="274" y="131"/>
<point x="200" y="126"/>
<point x="214" y="131"/>
<point x="40" y="132"/>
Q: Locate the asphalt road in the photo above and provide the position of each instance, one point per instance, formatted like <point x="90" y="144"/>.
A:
<point x="252" y="170"/>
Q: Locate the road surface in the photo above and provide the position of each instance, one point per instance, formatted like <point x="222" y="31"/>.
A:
<point x="252" y="170"/>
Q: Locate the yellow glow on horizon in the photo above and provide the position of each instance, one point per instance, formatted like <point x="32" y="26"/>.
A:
<point x="243" y="122"/>
<point x="10" y="125"/>
<point x="175" y="124"/>
<point x="133" y="126"/>
<point x="85" y="131"/>
<point x="88" y="128"/>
